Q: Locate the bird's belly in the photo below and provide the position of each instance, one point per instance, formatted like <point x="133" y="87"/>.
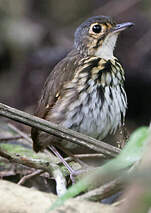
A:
<point x="96" y="116"/>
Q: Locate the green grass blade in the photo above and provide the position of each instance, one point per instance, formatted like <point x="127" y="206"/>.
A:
<point x="131" y="153"/>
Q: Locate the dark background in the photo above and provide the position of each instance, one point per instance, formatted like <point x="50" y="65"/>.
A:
<point x="35" y="35"/>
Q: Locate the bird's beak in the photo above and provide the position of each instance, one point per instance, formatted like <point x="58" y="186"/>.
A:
<point x="121" y="27"/>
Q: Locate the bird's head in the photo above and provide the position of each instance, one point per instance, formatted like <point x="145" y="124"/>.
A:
<point x="97" y="36"/>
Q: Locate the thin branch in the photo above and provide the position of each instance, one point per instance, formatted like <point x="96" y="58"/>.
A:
<point x="25" y="136"/>
<point x="81" y="156"/>
<point x="32" y="163"/>
<point x="104" y="191"/>
<point x="91" y="155"/>
<point x="45" y="166"/>
<point x="2" y="139"/>
<point x="27" y="177"/>
<point x="59" y="131"/>
<point x="72" y="156"/>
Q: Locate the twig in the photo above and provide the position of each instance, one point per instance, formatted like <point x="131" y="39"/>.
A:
<point x="104" y="191"/>
<point x="72" y="156"/>
<point x="32" y="163"/>
<point x="81" y="156"/>
<point x="25" y="136"/>
<point x="53" y="169"/>
<point x="10" y="138"/>
<point x="93" y="155"/>
<point x="59" y="131"/>
<point x="26" y="177"/>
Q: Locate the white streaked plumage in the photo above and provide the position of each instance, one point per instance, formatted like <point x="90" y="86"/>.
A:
<point x="99" y="106"/>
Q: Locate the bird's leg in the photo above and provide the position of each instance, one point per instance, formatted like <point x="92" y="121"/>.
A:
<point x="71" y="171"/>
<point x="83" y="164"/>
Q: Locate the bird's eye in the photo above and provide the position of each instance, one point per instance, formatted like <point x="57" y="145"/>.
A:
<point x="97" y="28"/>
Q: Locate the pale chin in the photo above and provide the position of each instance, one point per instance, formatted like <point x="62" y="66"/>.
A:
<point x="105" y="51"/>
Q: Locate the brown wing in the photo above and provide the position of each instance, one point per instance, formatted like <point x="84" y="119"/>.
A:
<point x="61" y="73"/>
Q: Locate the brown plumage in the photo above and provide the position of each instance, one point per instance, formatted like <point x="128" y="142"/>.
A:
<point x="85" y="90"/>
<point x="62" y="73"/>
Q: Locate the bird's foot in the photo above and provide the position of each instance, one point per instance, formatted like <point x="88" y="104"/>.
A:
<point x="73" y="173"/>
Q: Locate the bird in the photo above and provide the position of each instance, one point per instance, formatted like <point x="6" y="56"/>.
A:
<point x="85" y="90"/>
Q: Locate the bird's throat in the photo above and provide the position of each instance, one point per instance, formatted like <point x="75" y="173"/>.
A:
<point x="106" y="49"/>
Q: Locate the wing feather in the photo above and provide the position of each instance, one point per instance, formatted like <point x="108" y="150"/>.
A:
<point x="62" y="73"/>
